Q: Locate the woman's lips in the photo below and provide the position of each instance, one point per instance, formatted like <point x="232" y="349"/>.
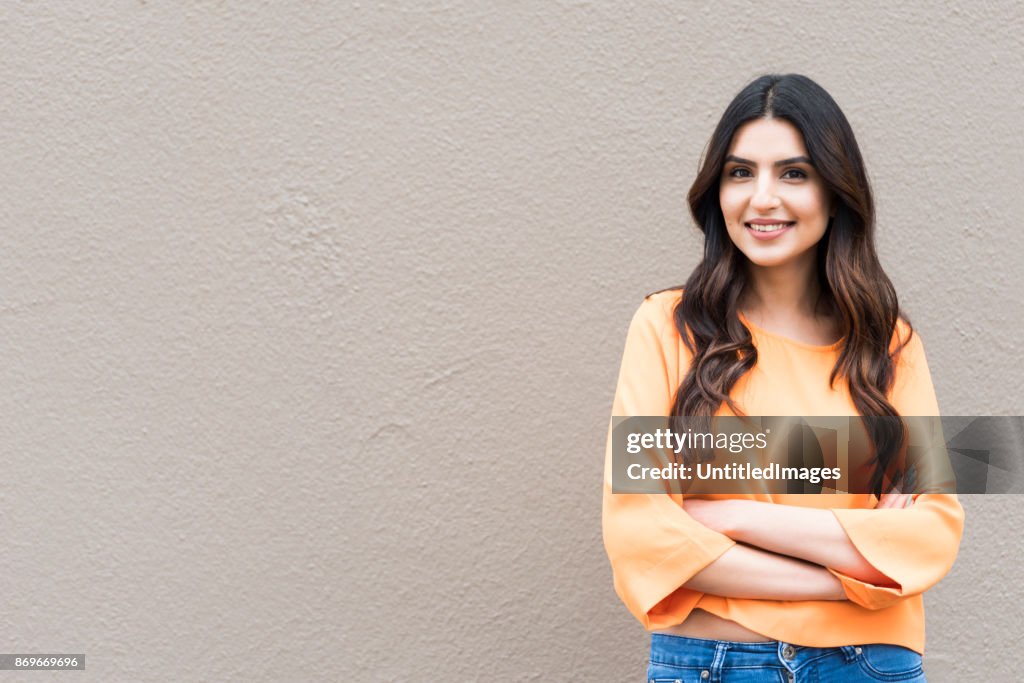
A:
<point x="768" y="231"/>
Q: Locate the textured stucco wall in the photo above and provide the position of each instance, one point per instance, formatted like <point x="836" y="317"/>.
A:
<point x="310" y="314"/>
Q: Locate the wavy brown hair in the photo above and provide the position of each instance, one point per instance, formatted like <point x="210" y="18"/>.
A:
<point x="853" y="286"/>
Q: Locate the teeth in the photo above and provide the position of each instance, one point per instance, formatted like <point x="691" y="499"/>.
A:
<point x="768" y="228"/>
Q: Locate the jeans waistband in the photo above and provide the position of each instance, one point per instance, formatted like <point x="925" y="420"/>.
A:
<point x="713" y="654"/>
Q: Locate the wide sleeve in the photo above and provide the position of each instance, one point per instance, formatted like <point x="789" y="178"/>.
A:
<point x="654" y="547"/>
<point x="916" y="546"/>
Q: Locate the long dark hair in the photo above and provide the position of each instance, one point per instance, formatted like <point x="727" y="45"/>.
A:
<point x="852" y="283"/>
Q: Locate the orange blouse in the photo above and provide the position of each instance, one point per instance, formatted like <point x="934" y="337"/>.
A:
<point x="655" y="547"/>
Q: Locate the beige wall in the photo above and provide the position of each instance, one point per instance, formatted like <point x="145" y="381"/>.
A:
<point x="310" y="314"/>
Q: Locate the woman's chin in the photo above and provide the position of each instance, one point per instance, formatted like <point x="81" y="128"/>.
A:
<point x="762" y="260"/>
<point x="777" y="255"/>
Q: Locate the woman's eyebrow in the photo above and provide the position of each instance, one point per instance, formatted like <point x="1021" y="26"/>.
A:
<point x="783" y="162"/>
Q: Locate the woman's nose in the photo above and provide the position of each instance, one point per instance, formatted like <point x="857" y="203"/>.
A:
<point x="764" y="197"/>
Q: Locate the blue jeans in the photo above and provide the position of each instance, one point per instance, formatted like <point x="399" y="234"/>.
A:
<point x="691" y="660"/>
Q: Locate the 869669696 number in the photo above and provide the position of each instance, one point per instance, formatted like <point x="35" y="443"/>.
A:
<point x="49" y="662"/>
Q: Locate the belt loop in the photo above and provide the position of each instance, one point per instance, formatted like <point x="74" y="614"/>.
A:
<point x="719" y="661"/>
<point x="850" y="652"/>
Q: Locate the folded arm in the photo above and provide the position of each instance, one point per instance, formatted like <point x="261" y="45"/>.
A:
<point x="746" y="572"/>
<point x="809" y="534"/>
<point x="880" y="555"/>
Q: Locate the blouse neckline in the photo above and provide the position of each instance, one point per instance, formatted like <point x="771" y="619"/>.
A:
<point x="826" y="348"/>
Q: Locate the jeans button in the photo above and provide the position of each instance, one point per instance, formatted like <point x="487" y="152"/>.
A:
<point x="705" y="674"/>
<point x="788" y="652"/>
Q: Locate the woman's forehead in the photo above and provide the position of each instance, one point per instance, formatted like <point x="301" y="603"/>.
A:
<point x="767" y="140"/>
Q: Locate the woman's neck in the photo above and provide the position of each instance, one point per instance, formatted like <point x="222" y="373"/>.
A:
<point x="782" y="292"/>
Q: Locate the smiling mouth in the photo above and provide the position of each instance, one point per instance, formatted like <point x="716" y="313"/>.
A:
<point x="770" y="227"/>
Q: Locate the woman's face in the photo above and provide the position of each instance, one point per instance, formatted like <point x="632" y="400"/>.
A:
<point x="776" y="206"/>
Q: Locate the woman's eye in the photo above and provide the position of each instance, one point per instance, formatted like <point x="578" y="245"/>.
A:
<point x="794" y="173"/>
<point x="739" y="173"/>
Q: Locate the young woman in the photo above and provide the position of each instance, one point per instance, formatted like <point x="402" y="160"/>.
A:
<point x="788" y="313"/>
